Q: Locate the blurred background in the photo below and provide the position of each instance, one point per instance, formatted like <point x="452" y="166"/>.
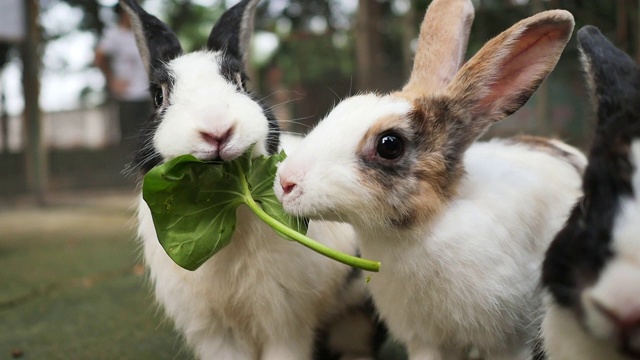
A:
<point x="70" y="281"/>
<point x="306" y="56"/>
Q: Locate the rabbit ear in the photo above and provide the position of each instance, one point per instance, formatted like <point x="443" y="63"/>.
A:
<point x="442" y="43"/>
<point x="232" y="33"/>
<point x="156" y="42"/>
<point x="503" y="75"/>
<point x="612" y="75"/>
<point x="614" y="80"/>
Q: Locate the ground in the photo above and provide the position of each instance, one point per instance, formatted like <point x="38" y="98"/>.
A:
<point x="71" y="283"/>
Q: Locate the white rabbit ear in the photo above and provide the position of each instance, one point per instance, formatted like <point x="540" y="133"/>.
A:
<point x="156" y="42"/>
<point x="232" y="33"/>
<point x="442" y="44"/>
<point x="504" y="74"/>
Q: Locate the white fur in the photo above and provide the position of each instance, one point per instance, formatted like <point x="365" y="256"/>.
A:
<point x="617" y="290"/>
<point x="566" y="339"/>
<point x="468" y="277"/>
<point x="353" y="116"/>
<point x="202" y="101"/>
<point x="261" y="297"/>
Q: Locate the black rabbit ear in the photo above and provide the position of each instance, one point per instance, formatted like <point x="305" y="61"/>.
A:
<point x="156" y="42"/>
<point x="612" y="74"/>
<point x="232" y="33"/>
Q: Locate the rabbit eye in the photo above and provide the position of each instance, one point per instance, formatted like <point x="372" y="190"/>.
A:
<point x="158" y="98"/>
<point x="390" y="146"/>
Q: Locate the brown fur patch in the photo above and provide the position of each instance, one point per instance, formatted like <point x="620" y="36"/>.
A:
<point x="546" y="145"/>
<point x="417" y="186"/>
<point x="383" y="124"/>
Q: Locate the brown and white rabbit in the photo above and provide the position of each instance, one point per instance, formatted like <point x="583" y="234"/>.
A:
<point x="459" y="226"/>
<point x="592" y="268"/>
<point x="261" y="297"/>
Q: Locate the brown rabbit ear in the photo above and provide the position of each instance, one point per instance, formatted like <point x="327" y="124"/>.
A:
<point x="442" y="43"/>
<point x="504" y="74"/>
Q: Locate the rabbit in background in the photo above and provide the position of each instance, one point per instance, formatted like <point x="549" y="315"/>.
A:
<point x="592" y="269"/>
<point x="459" y="226"/>
<point x="261" y="297"/>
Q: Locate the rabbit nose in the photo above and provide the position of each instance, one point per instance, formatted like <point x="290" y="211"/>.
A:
<point x="287" y="186"/>
<point x="216" y="138"/>
<point x="627" y="326"/>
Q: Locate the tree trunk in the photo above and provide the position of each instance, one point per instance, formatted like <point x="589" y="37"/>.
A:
<point x="638" y="33"/>
<point x="622" y="25"/>
<point x="36" y="157"/>
<point x="369" y="55"/>
<point x="4" y="118"/>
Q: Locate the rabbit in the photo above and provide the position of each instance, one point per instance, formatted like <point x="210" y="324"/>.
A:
<point x="460" y="227"/>
<point x="261" y="297"/>
<point x="591" y="271"/>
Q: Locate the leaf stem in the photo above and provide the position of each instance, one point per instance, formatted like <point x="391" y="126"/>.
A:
<point x="364" y="264"/>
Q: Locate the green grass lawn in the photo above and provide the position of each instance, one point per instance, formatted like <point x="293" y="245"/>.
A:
<point x="71" y="286"/>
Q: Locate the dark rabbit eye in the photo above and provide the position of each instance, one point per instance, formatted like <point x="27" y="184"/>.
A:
<point x="389" y="146"/>
<point x="159" y="98"/>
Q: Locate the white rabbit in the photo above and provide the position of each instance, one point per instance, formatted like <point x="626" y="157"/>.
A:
<point x="592" y="268"/>
<point x="261" y="297"/>
<point x="459" y="227"/>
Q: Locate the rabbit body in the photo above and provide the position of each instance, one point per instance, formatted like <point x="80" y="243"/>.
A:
<point x="261" y="297"/>
<point x="460" y="227"/>
<point x="470" y="275"/>
<point x="591" y="271"/>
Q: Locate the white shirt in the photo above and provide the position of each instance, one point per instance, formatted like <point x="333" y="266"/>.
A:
<point x="120" y="45"/>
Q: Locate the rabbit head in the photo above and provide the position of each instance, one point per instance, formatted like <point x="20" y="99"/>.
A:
<point x="202" y="105"/>
<point x="396" y="159"/>
<point x="593" y="264"/>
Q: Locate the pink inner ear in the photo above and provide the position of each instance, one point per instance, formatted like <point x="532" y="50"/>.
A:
<point x="527" y="63"/>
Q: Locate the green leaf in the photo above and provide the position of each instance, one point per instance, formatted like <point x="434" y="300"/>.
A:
<point x="193" y="205"/>
<point x="260" y="178"/>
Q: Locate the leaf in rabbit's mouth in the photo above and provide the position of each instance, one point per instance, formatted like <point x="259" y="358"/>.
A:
<point x="193" y="204"/>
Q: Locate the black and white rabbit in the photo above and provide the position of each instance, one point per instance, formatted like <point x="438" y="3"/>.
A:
<point x="459" y="226"/>
<point x="261" y="297"/>
<point x="592" y="268"/>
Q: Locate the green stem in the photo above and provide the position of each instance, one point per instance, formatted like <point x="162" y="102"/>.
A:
<point x="364" y="264"/>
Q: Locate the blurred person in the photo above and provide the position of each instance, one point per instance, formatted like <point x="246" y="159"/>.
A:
<point x="118" y="57"/>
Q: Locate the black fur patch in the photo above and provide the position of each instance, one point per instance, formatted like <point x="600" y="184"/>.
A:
<point x="146" y="157"/>
<point x="232" y="70"/>
<point x="380" y="334"/>
<point x="160" y="41"/>
<point x="226" y="34"/>
<point x="582" y="248"/>
<point x="537" y="350"/>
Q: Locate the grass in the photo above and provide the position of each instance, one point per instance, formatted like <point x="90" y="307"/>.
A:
<point x="71" y="286"/>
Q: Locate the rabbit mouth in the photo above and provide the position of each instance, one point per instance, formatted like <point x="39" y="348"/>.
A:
<point x="208" y="155"/>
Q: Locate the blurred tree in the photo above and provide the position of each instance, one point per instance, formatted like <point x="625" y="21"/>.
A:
<point x="5" y="48"/>
<point x="331" y="48"/>
<point x="91" y="13"/>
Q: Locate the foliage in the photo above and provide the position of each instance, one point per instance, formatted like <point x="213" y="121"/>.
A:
<point x="194" y="203"/>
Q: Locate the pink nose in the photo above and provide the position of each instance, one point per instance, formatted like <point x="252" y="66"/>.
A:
<point x="216" y="138"/>
<point x="287" y="186"/>
<point x="627" y="325"/>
